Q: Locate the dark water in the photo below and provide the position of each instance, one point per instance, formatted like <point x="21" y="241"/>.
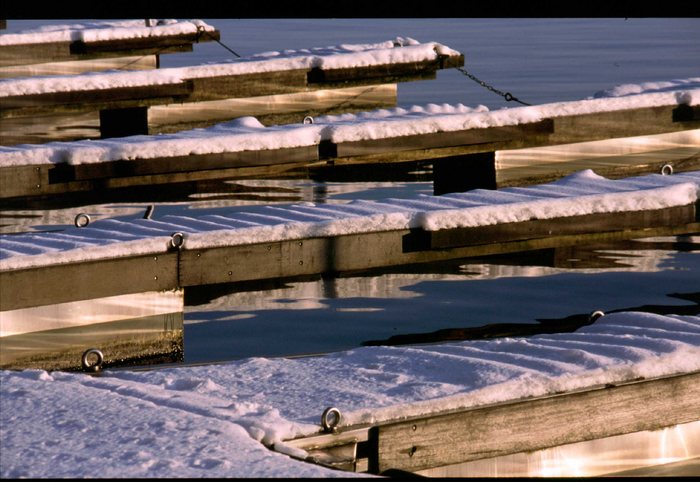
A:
<point x="538" y="61"/>
<point x="520" y="294"/>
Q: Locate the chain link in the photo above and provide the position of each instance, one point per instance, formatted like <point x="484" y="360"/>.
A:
<point x="506" y="95"/>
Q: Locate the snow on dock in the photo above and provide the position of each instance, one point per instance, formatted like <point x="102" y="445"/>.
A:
<point x="233" y="411"/>
<point x="584" y="193"/>
<point x="385" y="135"/>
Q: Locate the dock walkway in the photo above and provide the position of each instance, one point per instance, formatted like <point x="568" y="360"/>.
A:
<point x="123" y="98"/>
<point x="110" y="257"/>
<point x="461" y="144"/>
<point x="84" y="42"/>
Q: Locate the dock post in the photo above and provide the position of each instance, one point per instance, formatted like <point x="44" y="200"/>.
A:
<point x="464" y="172"/>
<point x="123" y="122"/>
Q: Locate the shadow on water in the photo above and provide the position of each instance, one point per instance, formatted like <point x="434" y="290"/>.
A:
<point x="519" y="294"/>
<point x="568" y="324"/>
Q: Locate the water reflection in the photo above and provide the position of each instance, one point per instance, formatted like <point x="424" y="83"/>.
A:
<point x="621" y="455"/>
<point x="507" y="295"/>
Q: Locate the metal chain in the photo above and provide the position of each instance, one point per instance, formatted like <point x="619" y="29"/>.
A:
<point x="201" y="31"/>
<point x="506" y="95"/>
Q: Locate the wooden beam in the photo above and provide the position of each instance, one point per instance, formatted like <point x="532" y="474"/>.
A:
<point x="62" y="178"/>
<point x="98" y="99"/>
<point x="528" y="425"/>
<point x="43" y="285"/>
<point x="541" y="228"/>
<point x="421" y="142"/>
<point x="59" y="283"/>
<point x="443" y="438"/>
<point x="36" y="53"/>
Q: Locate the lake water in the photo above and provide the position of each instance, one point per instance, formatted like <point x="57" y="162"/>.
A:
<point x="538" y="61"/>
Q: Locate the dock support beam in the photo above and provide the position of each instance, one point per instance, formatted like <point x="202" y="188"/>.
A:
<point x="464" y="172"/>
<point x="123" y="122"/>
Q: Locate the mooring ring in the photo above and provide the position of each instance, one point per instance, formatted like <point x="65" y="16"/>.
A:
<point x="177" y="240"/>
<point x="308" y="120"/>
<point x="330" y="419"/>
<point x="86" y="362"/>
<point x="81" y="220"/>
<point x="667" y="170"/>
<point x="595" y="315"/>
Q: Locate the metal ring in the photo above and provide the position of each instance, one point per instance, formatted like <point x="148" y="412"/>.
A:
<point x="509" y="97"/>
<point x="81" y="220"/>
<point x="667" y="170"/>
<point x="330" y="419"/>
<point x="308" y="120"/>
<point x="595" y="315"/>
<point x="86" y="363"/>
<point x="177" y="240"/>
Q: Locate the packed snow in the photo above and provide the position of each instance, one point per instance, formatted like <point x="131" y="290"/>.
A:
<point x="399" y="50"/>
<point x="217" y="420"/>
<point x="104" y="30"/>
<point x="580" y="193"/>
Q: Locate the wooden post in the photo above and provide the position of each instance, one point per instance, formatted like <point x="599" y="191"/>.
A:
<point x="123" y="122"/>
<point x="464" y="172"/>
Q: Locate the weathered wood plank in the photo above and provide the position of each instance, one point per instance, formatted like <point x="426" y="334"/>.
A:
<point x="508" y="428"/>
<point x="44" y="285"/>
<point x="248" y="85"/>
<point x="175" y="164"/>
<point x="11" y="55"/>
<point x="143" y="45"/>
<point x="264" y="261"/>
<point x="404" y="70"/>
<point x="16" y="181"/>
<point x="441" y="139"/>
<point x="35" y="53"/>
<point x="99" y="99"/>
<point x="622" y="123"/>
<point x="26" y="181"/>
<point x="589" y="223"/>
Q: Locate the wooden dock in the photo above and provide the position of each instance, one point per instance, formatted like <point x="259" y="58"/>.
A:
<point x="485" y="440"/>
<point x="162" y="38"/>
<point x="182" y="256"/>
<point x="175" y="253"/>
<point x="122" y="99"/>
<point x="460" y="160"/>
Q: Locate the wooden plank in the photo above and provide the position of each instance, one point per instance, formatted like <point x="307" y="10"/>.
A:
<point x="18" y="181"/>
<point x="11" y="55"/>
<point x="442" y="139"/>
<point x="142" y="45"/>
<point x="335" y="255"/>
<point x="255" y="262"/>
<point x="119" y="186"/>
<point x="174" y="164"/>
<point x="36" y="53"/>
<point x="248" y="85"/>
<point x="387" y="72"/>
<point x="99" y="99"/>
<point x="588" y="223"/>
<point x="45" y="285"/>
<point x="528" y="425"/>
<point x="622" y="123"/>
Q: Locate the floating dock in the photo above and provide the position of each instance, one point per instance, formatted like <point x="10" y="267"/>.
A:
<point x="461" y="159"/>
<point x="496" y="440"/>
<point x="350" y="76"/>
<point x="115" y="257"/>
